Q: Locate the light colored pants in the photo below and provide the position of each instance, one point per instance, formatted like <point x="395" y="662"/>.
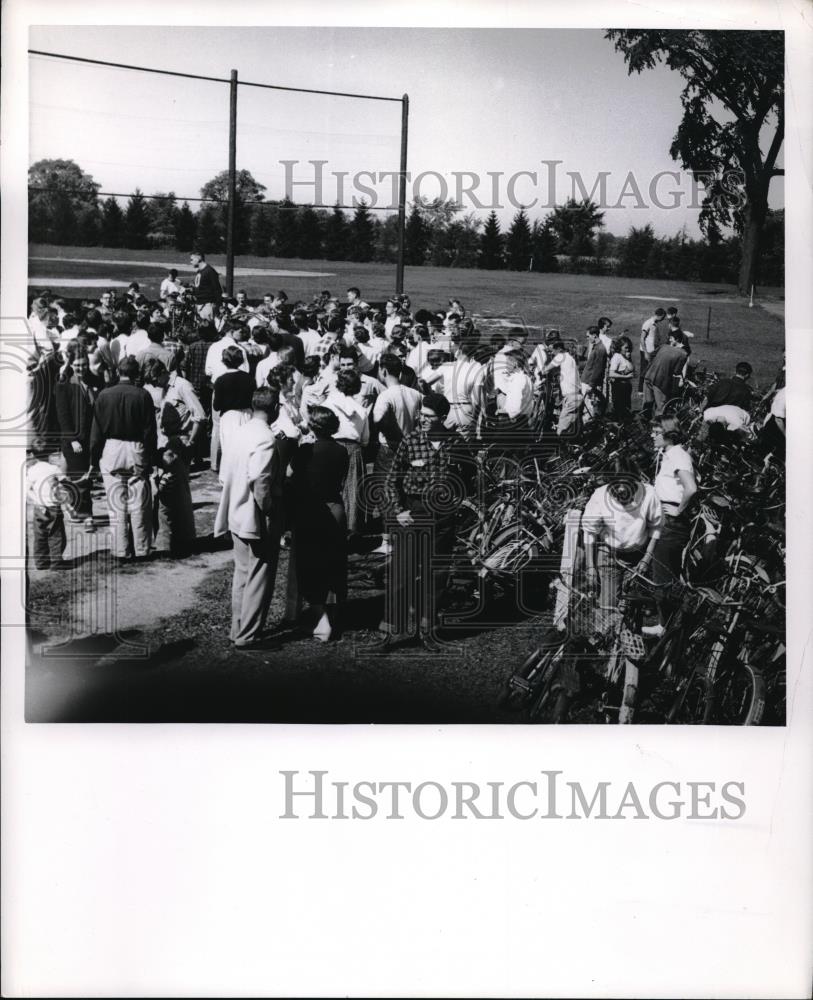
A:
<point x="569" y="414"/>
<point x="125" y="474"/>
<point x="255" y="573"/>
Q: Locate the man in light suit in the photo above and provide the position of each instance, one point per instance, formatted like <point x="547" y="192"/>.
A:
<point x="251" y="509"/>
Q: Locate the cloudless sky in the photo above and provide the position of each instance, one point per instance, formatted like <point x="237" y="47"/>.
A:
<point x="481" y="100"/>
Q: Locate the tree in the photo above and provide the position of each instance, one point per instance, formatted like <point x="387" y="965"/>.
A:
<point x="463" y="241"/>
<point x="58" y="190"/>
<point x="574" y="224"/>
<point x="309" y="236"/>
<point x="738" y="73"/>
<point x="636" y="251"/>
<point x="416" y="239"/>
<point x="518" y="243"/>
<point x="286" y="238"/>
<point x="337" y="235"/>
<point x="543" y="247"/>
<point x="207" y="236"/>
<point x="162" y="210"/>
<point x="112" y="229"/>
<point x="185" y="227"/>
<point x="491" y="245"/>
<point x="261" y="230"/>
<point x="88" y="226"/>
<point x="362" y="234"/>
<point x="386" y="240"/>
<point x="248" y="191"/>
<point x="136" y="222"/>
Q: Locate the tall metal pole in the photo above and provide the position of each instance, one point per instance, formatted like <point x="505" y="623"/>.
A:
<point x="232" y="182"/>
<point x="399" y="273"/>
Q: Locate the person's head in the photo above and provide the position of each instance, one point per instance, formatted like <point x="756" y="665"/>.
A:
<point x="467" y="346"/>
<point x="80" y="363"/>
<point x="197" y="259"/>
<point x="624" y="486"/>
<point x="677" y="338"/>
<point x="496" y="342"/>
<point x="743" y="371"/>
<point x="348" y="359"/>
<point x="281" y="377"/>
<point x="312" y="366"/>
<point x="592" y="335"/>
<point x="517" y="335"/>
<point x="207" y="332"/>
<point x="232" y="357"/>
<point x="348" y="383"/>
<point x="391" y="367"/>
<point x="265" y="403"/>
<point x="241" y="298"/>
<point x="300" y="318"/>
<point x="106" y="299"/>
<point x="391" y="307"/>
<point x="557" y="346"/>
<point x="623" y="346"/>
<point x="133" y="288"/>
<point x="672" y="312"/>
<point x="660" y="314"/>
<point x="93" y="319"/>
<point x="334" y="325"/>
<point x="398" y="348"/>
<point x="128" y="368"/>
<point x="353" y="295"/>
<point x="434" y="359"/>
<point x="155" y="331"/>
<point x="155" y="373"/>
<point x="434" y="410"/>
<point x="604" y="324"/>
<point x="39" y="450"/>
<point x="323" y="422"/>
<point x="666" y="432"/>
<point x="362" y="335"/>
<point x="513" y="360"/>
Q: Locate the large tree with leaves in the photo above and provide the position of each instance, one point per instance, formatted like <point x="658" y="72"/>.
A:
<point x="58" y="191"/>
<point x="573" y="225"/>
<point x="733" y="119"/>
<point x="248" y="191"/>
<point x="136" y="222"/>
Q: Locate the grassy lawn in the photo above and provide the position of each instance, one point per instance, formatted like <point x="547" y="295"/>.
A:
<point x="572" y="302"/>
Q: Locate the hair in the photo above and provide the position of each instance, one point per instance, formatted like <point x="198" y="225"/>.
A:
<point x="155" y="331"/>
<point x="39" y="448"/>
<point x="362" y="335"/>
<point x="672" y="311"/>
<point x="625" y="478"/>
<point x="347" y="351"/>
<point x="437" y="403"/>
<point x="497" y="341"/>
<point x="514" y="353"/>
<point x="604" y="321"/>
<point x="128" y="367"/>
<point x="207" y="332"/>
<point x="660" y="312"/>
<point x="265" y="400"/>
<point x="620" y="342"/>
<point x="154" y="369"/>
<point x="281" y="373"/>
<point x="744" y="370"/>
<point x="198" y="253"/>
<point x="70" y="319"/>
<point x="300" y="319"/>
<point x="672" y="433"/>
<point x="322" y="421"/>
<point x="135" y="286"/>
<point x="592" y="331"/>
<point x="282" y="296"/>
<point x="334" y="325"/>
<point x="468" y="345"/>
<point x="378" y="328"/>
<point x="93" y="318"/>
<point x="435" y="355"/>
<point x="355" y="291"/>
<point x="679" y="336"/>
<point x="232" y="356"/>
<point x="312" y="366"/>
<point x="348" y="383"/>
<point x="391" y="364"/>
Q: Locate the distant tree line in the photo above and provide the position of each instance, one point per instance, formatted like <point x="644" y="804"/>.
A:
<point x="65" y="208"/>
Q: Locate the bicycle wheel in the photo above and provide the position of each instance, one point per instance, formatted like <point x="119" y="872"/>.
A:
<point x="690" y="704"/>
<point x="739" y="696"/>
<point x="548" y="704"/>
<point x="517" y="689"/>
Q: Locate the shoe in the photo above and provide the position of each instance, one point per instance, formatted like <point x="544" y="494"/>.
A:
<point x="384" y="549"/>
<point x="653" y="631"/>
<point x="323" y="630"/>
<point x="264" y="643"/>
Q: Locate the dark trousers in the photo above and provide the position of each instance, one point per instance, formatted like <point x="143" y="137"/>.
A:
<point x="643" y="365"/>
<point x="621" y="395"/>
<point x="76" y="467"/>
<point x="419" y="568"/>
<point x="49" y="537"/>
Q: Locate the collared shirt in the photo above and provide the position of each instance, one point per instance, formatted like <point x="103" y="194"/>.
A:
<point x="463" y="382"/>
<point x="310" y="341"/>
<point x="194" y="363"/>
<point x="515" y="394"/>
<point x="156" y="351"/>
<point x="619" y="526"/>
<point x="179" y="394"/>
<point x="126" y="413"/>
<point x="354" y="424"/>
<point x="214" y="366"/>
<point x="651" y="335"/>
<point x="568" y="372"/>
<point x="419" y="469"/>
<point x="668" y="487"/>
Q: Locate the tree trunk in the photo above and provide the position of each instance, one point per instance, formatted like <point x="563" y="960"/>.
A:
<point x="753" y="223"/>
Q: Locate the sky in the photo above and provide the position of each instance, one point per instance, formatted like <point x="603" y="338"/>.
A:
<point x="488" y="102"/>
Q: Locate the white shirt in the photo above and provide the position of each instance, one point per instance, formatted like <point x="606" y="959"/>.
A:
<point x="618" y="526"/>
<point x="619" y="365"/>
<point x="648" y="331"/>
<point x="169" y="285"/>
<point x="463" y="387"/>
<point x="354" y="423"/>
<point x="516" y="394"/>
<point x="137" y="342"/>
<point x="417" y="356"/>
<point x="214" y="366"/>
<point x="264" y="367"/>
<point x="44" y="339"/>
<point x="568" y="372"/>
<point x="310" y="340"/>
<point x="369" y="392"/>
<point x="42" y="480"/>
<point x="607" y="340"/>
<point x="404" y="404"/>
<point x="778" y="404"/>
<point x="733" y="418"/>
<point x="668" y="487"/>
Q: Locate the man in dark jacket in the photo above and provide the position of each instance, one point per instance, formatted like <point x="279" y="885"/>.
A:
<point x="123" y="441"/>
<point x="208" y="291"/>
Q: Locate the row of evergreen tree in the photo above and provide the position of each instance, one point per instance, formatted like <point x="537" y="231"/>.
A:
<point x="64" y="208"/>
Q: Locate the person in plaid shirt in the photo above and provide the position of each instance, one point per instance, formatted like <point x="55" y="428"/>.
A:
<point x="428" y="479"/>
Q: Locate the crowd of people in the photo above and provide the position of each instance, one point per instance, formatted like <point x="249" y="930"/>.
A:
<point x="338" y="424"/>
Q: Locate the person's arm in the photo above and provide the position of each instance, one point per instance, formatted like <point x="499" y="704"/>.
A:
<point x="96" y="438"/>
<point x="393" y="484"/>
<point x="689" y="484"/>
<point x="263" y="468"/>
<point x="217" y="396"/>
<point x="150" y="428"/>
<point x="591" y="522"/>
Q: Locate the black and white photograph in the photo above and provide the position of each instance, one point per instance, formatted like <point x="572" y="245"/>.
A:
<point x="388" y="404"/>
<point x="405" y="535"/>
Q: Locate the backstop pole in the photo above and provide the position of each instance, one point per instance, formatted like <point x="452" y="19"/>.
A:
<point x="399" y="273"/>
<point x="232" y="182"/>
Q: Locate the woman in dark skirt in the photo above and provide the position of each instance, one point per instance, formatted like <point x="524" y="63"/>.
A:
<point x="320" y="523"/>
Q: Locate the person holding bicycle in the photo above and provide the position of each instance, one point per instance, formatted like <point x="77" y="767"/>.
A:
<point x="620" y="528"/>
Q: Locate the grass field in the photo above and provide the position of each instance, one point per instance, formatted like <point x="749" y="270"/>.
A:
<point x="571" y="302"/>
